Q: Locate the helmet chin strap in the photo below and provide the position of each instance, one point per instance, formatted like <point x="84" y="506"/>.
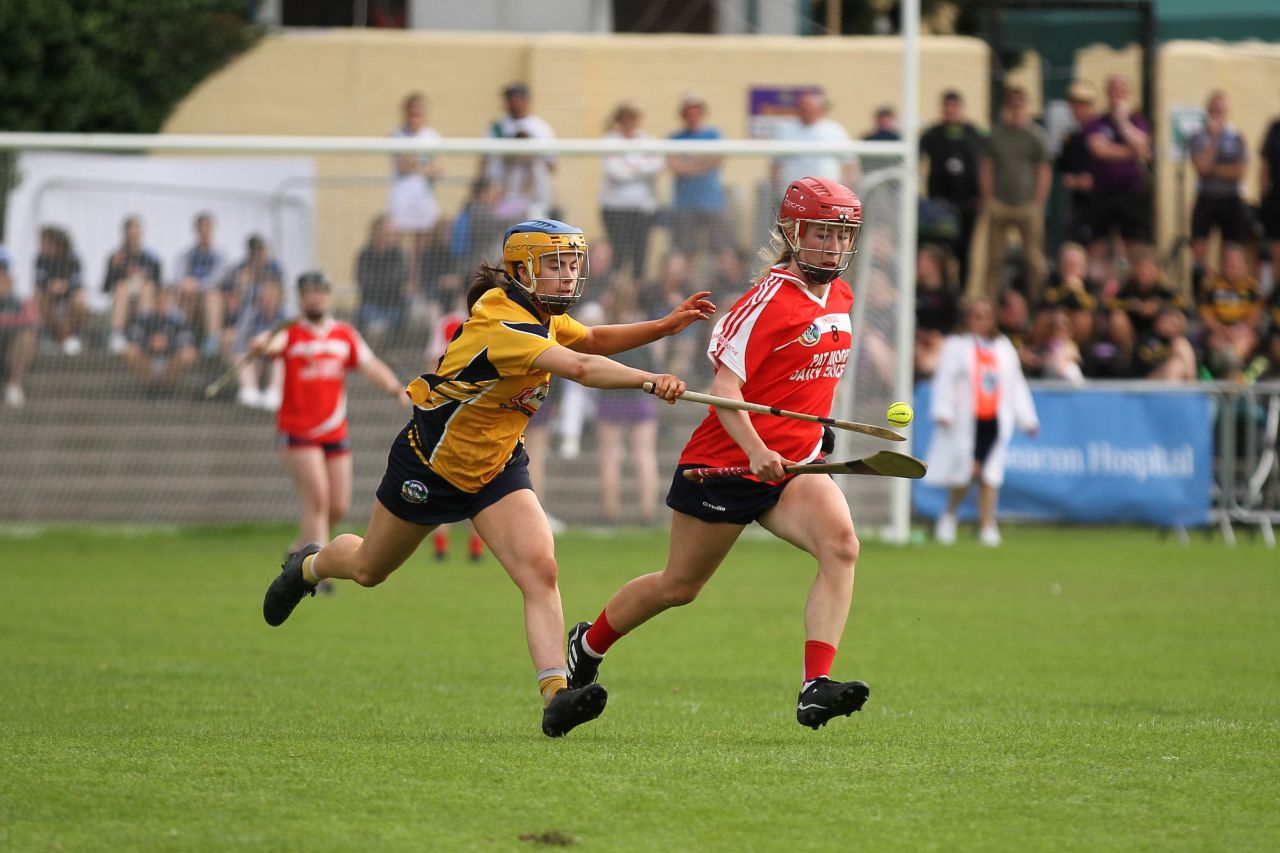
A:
<point x="819" y="275"/>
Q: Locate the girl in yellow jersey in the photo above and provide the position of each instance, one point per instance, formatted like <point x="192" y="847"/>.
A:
<point x="462" y="454"/>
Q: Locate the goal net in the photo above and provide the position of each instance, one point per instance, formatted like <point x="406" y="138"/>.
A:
<point x="136" y="277"/>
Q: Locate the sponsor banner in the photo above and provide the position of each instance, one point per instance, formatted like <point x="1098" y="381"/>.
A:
<point x="1100" y="456"/>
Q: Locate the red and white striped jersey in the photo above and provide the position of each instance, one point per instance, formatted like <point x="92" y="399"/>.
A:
<point x="316" y="361"/>
<point x="790" y="348"/>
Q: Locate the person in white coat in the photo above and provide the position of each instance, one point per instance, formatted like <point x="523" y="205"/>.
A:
<point x="628" y="199"/>
<point x="979" y="397"/>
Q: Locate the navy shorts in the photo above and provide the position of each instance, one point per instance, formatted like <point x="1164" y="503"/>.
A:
<point x="287" y="441"/>
<point x="985" y="433"/>
<point x="415" y="493"/>
<point x="727" y="500"/>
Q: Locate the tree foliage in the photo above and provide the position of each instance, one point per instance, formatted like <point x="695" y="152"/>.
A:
<point x="114" y="66"/>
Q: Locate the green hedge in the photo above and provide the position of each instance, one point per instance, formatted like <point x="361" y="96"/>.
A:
<point x="112" y="66"/>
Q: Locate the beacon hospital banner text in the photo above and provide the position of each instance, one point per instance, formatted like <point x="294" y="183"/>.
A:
<point x="1101" y="456"/>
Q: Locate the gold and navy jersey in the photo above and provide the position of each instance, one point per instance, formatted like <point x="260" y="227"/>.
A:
<point x="469" y="415"/>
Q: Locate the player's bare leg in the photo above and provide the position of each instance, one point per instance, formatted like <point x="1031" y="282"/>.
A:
<point x="814" y="516"/>
<point x="696" y="550"/>
<point x="339" y="470"/>
<point x="368" y="560"/>
<point x="988" y="533"/>
<point x="517" y="532"/>
<point x="306" y="465"/>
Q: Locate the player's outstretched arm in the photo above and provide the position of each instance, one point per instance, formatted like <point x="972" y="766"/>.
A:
<point x="376" y="371"/>
<point x="596" y="371"/>
<point x="765" y="463"/>
<point x="608" y="340"/>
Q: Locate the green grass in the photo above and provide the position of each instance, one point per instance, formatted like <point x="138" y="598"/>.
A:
<point x="1077" y="689"/>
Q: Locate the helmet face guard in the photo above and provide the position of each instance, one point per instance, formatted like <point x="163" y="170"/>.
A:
<point x="826" y="209"/>
<point x="839" y="239"/>
<point x="550" y="251"/>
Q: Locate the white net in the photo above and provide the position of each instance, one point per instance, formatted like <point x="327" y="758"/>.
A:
<point x="131" y="323"/>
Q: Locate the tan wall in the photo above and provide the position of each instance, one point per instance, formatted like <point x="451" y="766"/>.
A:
<point x="348" y="82"/>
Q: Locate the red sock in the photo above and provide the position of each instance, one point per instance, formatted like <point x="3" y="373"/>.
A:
<point x="601" y="635"/>
<point x="476" y="546"/>
<point x="441" y="542"/>
<point x="818" y="657"/>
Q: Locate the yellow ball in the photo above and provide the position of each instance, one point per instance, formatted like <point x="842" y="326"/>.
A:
<point x="899" y="414"/>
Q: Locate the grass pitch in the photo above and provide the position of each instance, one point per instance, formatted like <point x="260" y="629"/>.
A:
<point x="1098" y="689"/>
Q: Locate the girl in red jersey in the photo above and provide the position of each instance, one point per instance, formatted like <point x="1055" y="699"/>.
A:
<point x="312" y="421"/>
<point x="785" y="343"/>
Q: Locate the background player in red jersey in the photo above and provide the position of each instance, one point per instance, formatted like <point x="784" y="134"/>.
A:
<point x="312" y="421"/>
<point x="785" y="343"/>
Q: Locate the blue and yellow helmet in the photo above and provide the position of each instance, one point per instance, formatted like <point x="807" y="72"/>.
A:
<point x="534" y="240"/>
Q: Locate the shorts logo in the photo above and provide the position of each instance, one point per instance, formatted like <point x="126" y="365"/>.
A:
<point x="414" y="492"/>
<point x="713" y="506"/>
<point x="811" y="335"/>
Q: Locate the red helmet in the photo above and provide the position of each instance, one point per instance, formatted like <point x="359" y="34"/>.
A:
<point x="826" y="202"/>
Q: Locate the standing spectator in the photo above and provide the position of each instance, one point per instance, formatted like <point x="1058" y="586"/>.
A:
<point x="525" y="180"/>
<point x="160" y="346"/>
<point x="1269" y="194"/>
<point x="698" y="218"/>
<point x="627" y="422"/>
<point x="937" y="307"/>
<point x="954" y="149"/>
<point x="1015" y="180"/>
<point x="381" y="277"/>
<point x="133" y="276"/>
<point x="239" y="290"/>
<point x="18" y="322"/>
<point x="1231" y="312"/>
<point x="813" y="125"/>
<point x="886" y="130"/>
<point x="197" y="272"/>
<point x="627" y="197"/>
<point x="1119" y="145"/>
<point x="1073" y="163"/>
<point x="1219" y="154"/>
<point x="60" y="290"/>
<point x="979" y="396"/>
<point x="412" y="204"/>
<point x="266" y="313"/>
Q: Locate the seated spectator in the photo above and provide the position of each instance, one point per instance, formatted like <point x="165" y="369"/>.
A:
<point x="133" y="276"/>
<point x="1163" y="351"/>
<point x="239" y="289"/>
<point x="382" y="277"/>
<point x="1071" y="290"/>
<point x="440" y="279"/>
<point x="1266" y="365"/>
<point x="1013" y="319"/>
<point x="659" y="298"/>
<point x="1060" y="356"/>
<point x="18" y="322"/>
<point x="1139" y="301"/>
<point x="937" y="307"/>
<point x="160" y="346"/>
<point x="59" y="290"/>
<point x="267" y="313"/>
<point x="197" y="272"/>
<point x="1231" y="311"/>
<point x="475" y="236"/>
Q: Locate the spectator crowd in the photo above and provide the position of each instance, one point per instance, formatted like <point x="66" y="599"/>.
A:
<point x="1098" y="305"/>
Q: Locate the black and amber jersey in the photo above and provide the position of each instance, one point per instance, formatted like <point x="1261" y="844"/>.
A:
<point x="470" y="414"/>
